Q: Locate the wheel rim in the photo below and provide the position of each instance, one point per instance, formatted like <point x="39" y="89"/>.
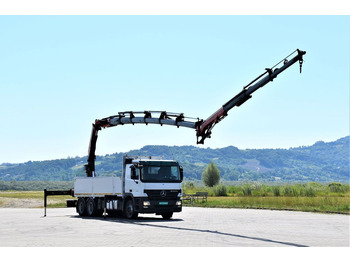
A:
<point x="129" y="209"/>
<point x="81" y="206"/>
<point x="90" y="207"/>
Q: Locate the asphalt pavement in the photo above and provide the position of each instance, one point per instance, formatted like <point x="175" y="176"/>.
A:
<point x="193" y="227"/>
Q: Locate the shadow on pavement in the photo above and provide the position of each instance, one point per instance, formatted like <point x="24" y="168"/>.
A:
<point x="145" y="221"/>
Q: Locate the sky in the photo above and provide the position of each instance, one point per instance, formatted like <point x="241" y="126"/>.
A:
<point x="60" y="73"/>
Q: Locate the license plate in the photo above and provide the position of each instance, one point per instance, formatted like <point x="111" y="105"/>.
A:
<point x="163" y="203"/>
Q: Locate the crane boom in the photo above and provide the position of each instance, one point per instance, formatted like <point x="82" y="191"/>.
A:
<point x="203" y="128"/>
<point x="134" y="117"/>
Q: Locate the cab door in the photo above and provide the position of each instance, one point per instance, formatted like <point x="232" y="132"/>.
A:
<point x="132" y="181"/>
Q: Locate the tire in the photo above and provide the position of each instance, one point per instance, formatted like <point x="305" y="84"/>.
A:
<point x="91" y="207"/>
<point x="167" y="215"/>
<point x="129" y="210"/>
<point x="99" y="204"/>
<point x="81" y="207"/>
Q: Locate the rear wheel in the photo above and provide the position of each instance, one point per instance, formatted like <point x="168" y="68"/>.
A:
<point x="81" y="207"/>
<point x="90" y="207"/>
<point x="129" y="210"/>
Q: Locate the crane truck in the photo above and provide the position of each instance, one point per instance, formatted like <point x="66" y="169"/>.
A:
<point x="149" y="184"/>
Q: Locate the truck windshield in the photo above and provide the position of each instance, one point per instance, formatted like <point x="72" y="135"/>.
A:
<point x="159" y="171"/>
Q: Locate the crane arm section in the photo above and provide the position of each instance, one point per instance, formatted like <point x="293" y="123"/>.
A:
<point x="135" y="117"/>
<point x="203" y="128"/>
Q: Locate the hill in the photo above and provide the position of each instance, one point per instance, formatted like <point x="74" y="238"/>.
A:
<point x="319" y="162"/>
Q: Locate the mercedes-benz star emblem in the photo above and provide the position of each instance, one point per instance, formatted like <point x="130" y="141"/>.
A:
<point x="162" y="193"/>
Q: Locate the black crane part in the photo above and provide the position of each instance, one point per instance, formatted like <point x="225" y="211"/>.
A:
<point x="203" y="127"/>
<point x="58" y="193"/>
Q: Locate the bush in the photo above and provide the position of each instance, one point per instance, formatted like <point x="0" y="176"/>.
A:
<point x="211" y="175"/>
<point x="287" y="191"/>
<point x="231" y="190"/>
<point x="276" y="191"/>
<point x="309" y="192"/>
<point x="247" y="190"/>
<point x="220" y="190"/>
<point x="290" y="191"/>
<point x="336" y="187"/>
<point x="188" y="185"/>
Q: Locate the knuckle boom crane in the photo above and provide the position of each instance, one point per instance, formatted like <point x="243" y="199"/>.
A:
<point x="203" y="127"/>
<point x="149" y="184"/>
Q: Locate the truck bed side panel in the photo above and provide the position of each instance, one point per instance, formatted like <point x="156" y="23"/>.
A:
<point x="97" y="186"/>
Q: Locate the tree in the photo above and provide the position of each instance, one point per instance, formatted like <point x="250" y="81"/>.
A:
<point x="211" y="175"/>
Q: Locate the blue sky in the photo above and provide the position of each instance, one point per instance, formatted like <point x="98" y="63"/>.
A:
<point x="60" y="73"/>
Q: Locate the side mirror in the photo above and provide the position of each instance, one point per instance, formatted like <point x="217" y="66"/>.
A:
<point x="181" y="173"/>
<point x="133" y="173"/>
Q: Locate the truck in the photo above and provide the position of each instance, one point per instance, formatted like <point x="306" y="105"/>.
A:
<point x="147" y="185"/>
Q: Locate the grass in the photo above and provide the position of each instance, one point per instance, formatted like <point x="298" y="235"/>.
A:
<point x="37" y="198"/>
<point x="315" y="204"/>
<point x="315" y="197"/>
<point x="22" y="194"/>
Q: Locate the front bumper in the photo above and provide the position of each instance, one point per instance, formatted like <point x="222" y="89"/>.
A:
<point x="144" y="205"/>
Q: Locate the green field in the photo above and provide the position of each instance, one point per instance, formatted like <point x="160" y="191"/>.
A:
<point x="315" y="197"/>
<point x="314" y="204"/>
<point x="31" y="199"/>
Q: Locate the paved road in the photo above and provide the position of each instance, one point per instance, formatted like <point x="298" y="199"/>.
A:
<point x="193" y="227"/>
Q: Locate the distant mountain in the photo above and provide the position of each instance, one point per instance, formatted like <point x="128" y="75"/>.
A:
<point x="319" y="162"/>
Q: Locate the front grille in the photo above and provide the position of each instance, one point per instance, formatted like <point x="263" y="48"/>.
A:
<point x="162" y="194"/>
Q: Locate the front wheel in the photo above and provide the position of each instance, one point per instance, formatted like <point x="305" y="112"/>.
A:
<point x="167" y="215"/>
<point x="129" y="210"/>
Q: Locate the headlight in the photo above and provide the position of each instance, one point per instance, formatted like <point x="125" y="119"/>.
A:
<point x="178" y="203"/>
<point x="146" y="204"/>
